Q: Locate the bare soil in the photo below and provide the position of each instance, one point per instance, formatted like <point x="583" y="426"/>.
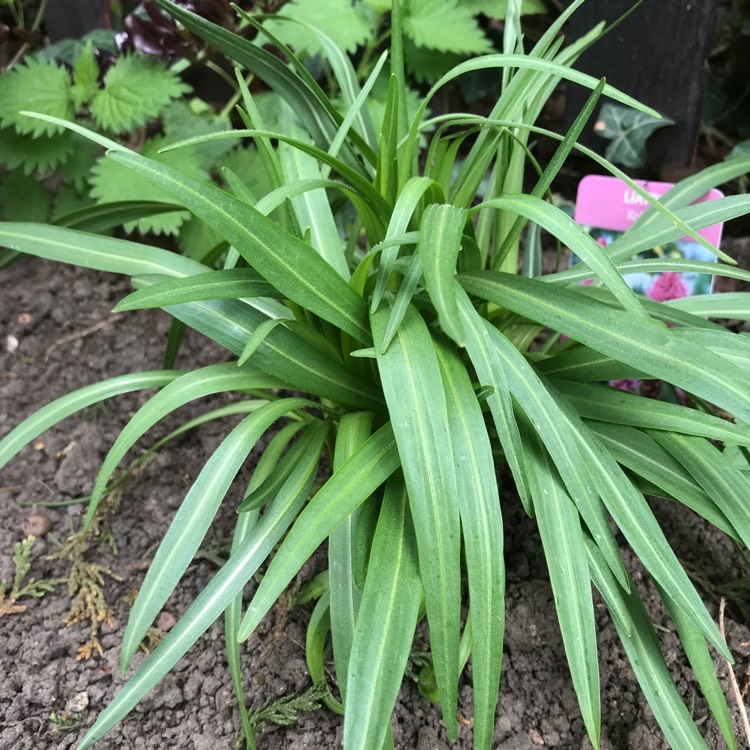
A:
<point x="67" y="337"/>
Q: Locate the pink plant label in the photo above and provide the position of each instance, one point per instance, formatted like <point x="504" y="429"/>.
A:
<point x="608" y="203"/>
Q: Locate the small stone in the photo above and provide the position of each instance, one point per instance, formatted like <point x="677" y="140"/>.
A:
<point x="25" y="318"/>
<point x="165" y="621"/>
<point x="79" y="702"/>
<point x="11" y="344"/>
<point x="535" y="737"/>
<point x="37" y="524"/>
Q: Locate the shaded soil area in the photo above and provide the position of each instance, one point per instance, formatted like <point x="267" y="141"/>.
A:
<point x="60" y="318"/>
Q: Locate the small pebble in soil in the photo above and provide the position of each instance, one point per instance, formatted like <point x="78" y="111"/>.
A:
<point x="11" y="344"/>
<point x="79" y="702"/>
<point x="165" y="621"/>
<point x="37" y="524"/>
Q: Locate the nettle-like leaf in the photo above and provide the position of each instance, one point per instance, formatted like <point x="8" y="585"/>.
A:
<point x="23" y="198"/>
<point x="346" y="24"/>
<point x="34" y="154"/>
<point x="627" y="130"/>
<point x="185" y="119"/>
<point x="112" y="182"/>
<point x="80" y="161"/>
<point x="35" y="86"/>
<point x="444" y="25"/>
<point x="136" y="89"/>
<point x="499" y="8"/>
<point x="85" y="76"/>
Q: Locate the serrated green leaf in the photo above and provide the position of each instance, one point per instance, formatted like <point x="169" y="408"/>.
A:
<point x="340" y="19"/>
<point x="428" y="65"/>
<point x="135" y="91"/>
<point x="498" y="9"/>
<point x="185" y="119"/>
<point x="444" y="25"/>
<point x="23" y="198"/>
<point x="627" y="130"/>
<point x="85" y="76"/>
<point x="112" y="182"/>
<point x="34" y="154"/>
<point x="36" y="85"/>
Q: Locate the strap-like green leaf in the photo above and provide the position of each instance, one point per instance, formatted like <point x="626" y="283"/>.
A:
<point x="94" y="251"/>
<point x="642" y="648"/>
<point x="63" y="407"/>
<point x="561" y="226"/>
<point x="694" y="645"/>
<point x="636" y="520"/>
<point x="619" y="407"/>
<point x="209" y="604"/>
<point x="490" y="371"/>
<point x="285" y="261"/>
<point x="385" y="625"/>
<point x="307" y="101"/>
<point x="565" y="550"/>
<point x="412" y="384"/>
<point x="402" y="215"/>
<point x="532" y="399"/>
<point x="482" y="530"/>
<point x="620" y="335"/>
<point x="233" y="613"/>
<point x="354" y="429"/>
<point x="105" y="216"/>
<point x="161" y="291"/>
<point x="197" y="512"/>
<point x="283" y="352"/>
<point x="734" y="305"/>
<point x="203" y="382"/>
<point x="719" y="477"/>
<point x="439" y="245"/>
<point x="358" y="477"/>
<point x="640" y="453"/>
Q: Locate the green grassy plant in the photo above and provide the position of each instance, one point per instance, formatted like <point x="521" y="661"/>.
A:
<point x="382" y="281"/>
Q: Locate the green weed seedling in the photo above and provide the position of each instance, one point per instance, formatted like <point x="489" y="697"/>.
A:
<point x="379" y="279"/>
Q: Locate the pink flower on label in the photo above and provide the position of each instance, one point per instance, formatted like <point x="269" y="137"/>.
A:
<point x="668" y="286"/>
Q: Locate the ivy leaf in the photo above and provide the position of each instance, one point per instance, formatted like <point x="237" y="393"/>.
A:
<point x="628" y="130"/>
<point x="34" y="154"/>
<point x="23" y="198"/>
<point x="35" y="86"/>
<point x="85" y="76"/>
<point x="136" y="89"/>
<point x="498" y="9"/>
<point x="444" y="25"/>
<point x="347" y="25"/>
<point x="113" y="182"/>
